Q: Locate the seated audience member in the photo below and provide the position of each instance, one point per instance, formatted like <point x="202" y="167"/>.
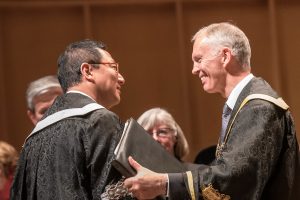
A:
<point x="40" y="96"/>
<point x="206" y="155"/>
<point x="161" y="125"/>
<point x="8" y="162"/>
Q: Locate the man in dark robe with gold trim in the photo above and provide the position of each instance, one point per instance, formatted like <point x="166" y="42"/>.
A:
<point x="68" y="154"/>
<point x="257" y="155"/>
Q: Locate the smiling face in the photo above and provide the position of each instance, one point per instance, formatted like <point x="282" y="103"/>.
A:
<point x="108" y="81"/>
<point x="208" y="66"/>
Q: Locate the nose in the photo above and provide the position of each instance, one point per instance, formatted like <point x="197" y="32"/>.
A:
<point x="196" y="69"/>
<point x="121" y="79"/>
<point x="154" y="135"/>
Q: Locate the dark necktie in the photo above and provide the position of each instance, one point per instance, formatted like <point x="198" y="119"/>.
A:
<point x="225" y="119"/>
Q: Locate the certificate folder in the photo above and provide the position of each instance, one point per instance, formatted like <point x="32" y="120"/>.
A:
<point x="136" y="142"/>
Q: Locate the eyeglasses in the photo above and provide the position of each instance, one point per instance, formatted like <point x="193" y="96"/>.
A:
<point x="113" y="65"/>
<point x="162" y="132"/>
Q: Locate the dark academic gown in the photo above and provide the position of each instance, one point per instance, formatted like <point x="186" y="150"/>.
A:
<point x="71" y="158"/>
<point x="259" y="160"/>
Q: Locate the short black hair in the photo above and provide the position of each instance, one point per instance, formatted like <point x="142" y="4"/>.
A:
<point x="76" y="53"/>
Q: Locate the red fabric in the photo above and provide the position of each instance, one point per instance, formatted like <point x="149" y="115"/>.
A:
<point x="4" y="194"/>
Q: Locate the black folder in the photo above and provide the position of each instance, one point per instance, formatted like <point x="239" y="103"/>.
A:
<point x="136" y="142"/>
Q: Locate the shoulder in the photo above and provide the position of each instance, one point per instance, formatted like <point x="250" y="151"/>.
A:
<point x="261" y="108"/>
<point x="104" y="119"/>
<point x="257" y="86"/>
<point x="105" y="115"/>
<point x="260" y="86"/>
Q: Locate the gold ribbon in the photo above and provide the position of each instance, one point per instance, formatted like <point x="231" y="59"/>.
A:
<point x="191" y="185"/>
<point x="278" y="102"/>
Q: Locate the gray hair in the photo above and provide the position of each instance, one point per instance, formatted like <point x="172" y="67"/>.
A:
<point x="158" y="115"/>
<point x="38" y="87"/>
<point x="227" y="35"/>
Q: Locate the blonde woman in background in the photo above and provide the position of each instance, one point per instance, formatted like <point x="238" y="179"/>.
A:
<point x="8" y="162"/>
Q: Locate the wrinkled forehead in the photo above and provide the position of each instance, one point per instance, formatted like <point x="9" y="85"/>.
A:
<point x="200" y="46"/>
<point x="200" y="41"/>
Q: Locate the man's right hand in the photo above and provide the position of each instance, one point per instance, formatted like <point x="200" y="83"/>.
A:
<point x="146" y="184"/>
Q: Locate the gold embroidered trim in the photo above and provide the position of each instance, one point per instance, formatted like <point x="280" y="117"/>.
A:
<point x="191" y="185"/>
<point x="219" y="149"/>
<point x="209" y="193"/>
<point x="278" y="102"/>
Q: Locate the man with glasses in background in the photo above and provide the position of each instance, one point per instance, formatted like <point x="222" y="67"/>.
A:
<point x="68" y="154"/>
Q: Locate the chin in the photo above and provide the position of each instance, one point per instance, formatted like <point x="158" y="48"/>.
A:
<point x="116" y="102"/>
<point x="208" y="90"/>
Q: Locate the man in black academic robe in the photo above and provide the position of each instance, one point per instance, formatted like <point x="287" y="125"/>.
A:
<point x="68" y="155"/>
<point x="259" y="158"/>
<point x="258" y="155"/>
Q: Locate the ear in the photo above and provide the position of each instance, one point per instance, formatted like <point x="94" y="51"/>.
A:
<point x="86" y="71"/>
<point x="226" y="55"/>
<point x="31" y="116"/>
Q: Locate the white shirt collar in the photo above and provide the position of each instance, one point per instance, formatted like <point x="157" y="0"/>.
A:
<point x="79" y="92"/>
<point x="237" y="90"/>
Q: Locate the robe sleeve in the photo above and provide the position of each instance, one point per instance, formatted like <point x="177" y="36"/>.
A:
<point x="246" y="162"/>
<point x="102" y="138"/>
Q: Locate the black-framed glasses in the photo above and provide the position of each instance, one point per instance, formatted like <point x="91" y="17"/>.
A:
<point x="162" y="132"/>
<point x="113" y="65"/>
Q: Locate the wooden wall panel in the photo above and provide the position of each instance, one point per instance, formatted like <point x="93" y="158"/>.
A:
<point x="32" y="40"/>
<point x="3" y="110"/>
<point x="148" y="36"/>
<point x="289" y="32"/>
